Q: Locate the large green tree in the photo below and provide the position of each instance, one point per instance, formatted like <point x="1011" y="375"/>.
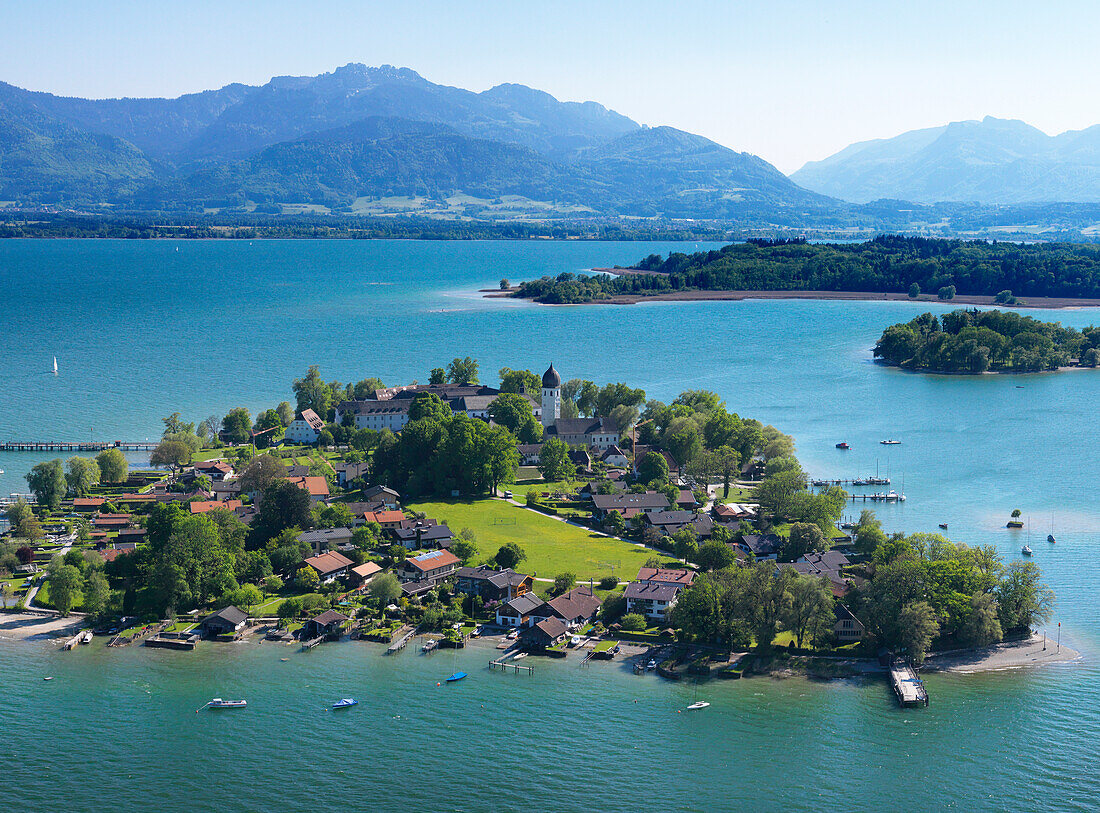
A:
<point x="554" y="463"/>
<point x="47" y="482"/>
<point x="462" y="371"/>
<point x="82" y="476"/>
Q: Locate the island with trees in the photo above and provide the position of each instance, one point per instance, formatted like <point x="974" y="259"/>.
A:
<point x="304" y="522"/>
<point x="975" y="341"/>
<point x="886" y="265"/>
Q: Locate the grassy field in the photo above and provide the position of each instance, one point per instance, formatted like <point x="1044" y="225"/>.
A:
<point x="738" y="494"/>
<point x="529" y="479"/>
<point x="552" y="546"/>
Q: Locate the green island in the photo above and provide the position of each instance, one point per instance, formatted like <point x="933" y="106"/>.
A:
<point x="974" y="341"/>
<point x="564" y="515"/>
<point x="887" y="264"/>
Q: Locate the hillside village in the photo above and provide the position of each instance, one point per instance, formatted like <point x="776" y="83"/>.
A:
<point x="454" y="510"/>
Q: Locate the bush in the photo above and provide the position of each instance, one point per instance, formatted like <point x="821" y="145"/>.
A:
<point x="609" y="583"/>
<point x="946" y="292"/>
<point x="633" y="622"/>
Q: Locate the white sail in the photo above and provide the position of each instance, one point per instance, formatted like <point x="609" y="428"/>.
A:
<point x="55" y="365"/>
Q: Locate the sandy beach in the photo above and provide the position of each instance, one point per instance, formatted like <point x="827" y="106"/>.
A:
<point x="1008" y="655"/>
<point x="34" y="627"/>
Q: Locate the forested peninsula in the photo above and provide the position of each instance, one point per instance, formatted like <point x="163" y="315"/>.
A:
<point x="887" y="264"/>
<point x="973" y="341"/>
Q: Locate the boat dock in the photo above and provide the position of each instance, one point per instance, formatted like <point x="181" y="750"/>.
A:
<point x="76" y="445"/>
<point x="82" y="637"/>
<point x="504" y="666"/>
<point x="313" y="642"/>
<point x="907" y="686"/>
<point x="404" y="635"/>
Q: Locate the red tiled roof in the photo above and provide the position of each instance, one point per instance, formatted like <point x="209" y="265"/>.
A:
<point x="383" y="517"/>
<point x="201" y="507"/>
<point x="666" y="576"/>
<point x="434" y="559"/>
<point x="329" y="562"/>
<point x="316" y="486"/>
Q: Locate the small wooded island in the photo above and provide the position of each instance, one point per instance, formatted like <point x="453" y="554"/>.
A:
<point x="974" y="341"/>
<point x="888" y="264"/>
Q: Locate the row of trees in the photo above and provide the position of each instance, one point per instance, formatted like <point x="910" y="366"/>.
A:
<point x="53" y="480"/>
<point x="887" y="263"/>
<point x="974" y="341"/>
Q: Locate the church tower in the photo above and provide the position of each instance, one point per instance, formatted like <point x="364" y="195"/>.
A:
<point x="551" y="396"/>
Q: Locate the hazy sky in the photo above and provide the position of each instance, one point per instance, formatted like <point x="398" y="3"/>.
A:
<point x="790" y="81"/>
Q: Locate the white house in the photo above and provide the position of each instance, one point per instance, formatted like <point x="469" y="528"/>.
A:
<point x="306" y="428"/>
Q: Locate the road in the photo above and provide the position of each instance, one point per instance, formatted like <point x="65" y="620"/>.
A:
<point x="29" y="600"/>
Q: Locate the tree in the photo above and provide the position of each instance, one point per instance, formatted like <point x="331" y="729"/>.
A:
<point x="464" y="549"/>
<point x="428" y="406"/>
<point x="809" y="604"/>
<point x="170" y="453"/>
<point x="1005" y="297"/>
<point x="918" y="626"/>
<point x="776" y="493"/>
<point x="504" y="284"/>
<point x="29" y="528"/>
<point x="25" y="554"/>
<point x="311" y="392"/>
<point x="385" y="589"/>
<point x="268" y="428"/>
<point x="946" y="292"/>
<point x="237" y="425"/>
<point x="683" y="439"/>
<point x="563" y="582"/>
<point x="83" y="474"/>
<point x="173" y="424"/>
<point x="285" y="412"/>
<point x="113" y="466"/>
<point x="633" y="622"/>
<point x="264" y="470"/>
<point x="273" y="585"/>
<point x="367" y="386"/>
<point x="914" y="291"/>
<point x="653" y="468"/>
<point x="284" y="505"/>
<point x="306" y="578"/>
<point x="510" y="555"/>
<point x="462" y="371"/>
<point x="47" y="482"/>
<point x="1023" y="600"/>
<point x="804" y="538"/>
<point x="513" y="412"/>
<point x="554" y="463"/>
<point x="437" y="377"/>
<point x="764" y="598"/>
<point x="521" y="382"/>
<point x="65" y="582"/>
<point x="325" y="438"/>
<point x="715" y="555"/>
<point x="615" y="524"/>
<point x="983" y="626"/>
<point x="698" y="612"/>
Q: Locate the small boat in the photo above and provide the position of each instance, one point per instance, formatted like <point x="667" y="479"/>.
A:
<point x="1014" y="523"/>
<point x="698" y="704"/>
<point x="456" y="677"/>
<point x="651" y="665"/>
<point x="943" y="525"/>
<point x="345" y="703"/>
<point x="47" y="678"/>
<point x="890" y="442"/>
<point x="1026" y="550"/>
<point x="843" y="445"/>
<point x="520" y="656"/>
<point x="86" y="637"/>
<point x="1051" y="539"/>
<point x="430" y="645"/>
<point x="218" y="703"/>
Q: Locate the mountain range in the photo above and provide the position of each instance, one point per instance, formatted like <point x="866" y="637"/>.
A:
<point x="373" y="140"/>
<point x="992" y="161"/>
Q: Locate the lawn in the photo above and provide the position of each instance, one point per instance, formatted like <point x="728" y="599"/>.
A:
<point x="738" y="494"/>
<point x="529" y="479"/>
<point x="551" y="546"/>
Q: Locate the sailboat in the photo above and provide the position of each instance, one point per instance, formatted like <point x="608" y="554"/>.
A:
<point x="1050" y="536"/>
<point x="698" y="704"/>
<point x="55" y="365"/>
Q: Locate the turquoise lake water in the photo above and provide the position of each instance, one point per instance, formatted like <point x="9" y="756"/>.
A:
<point x="144" y="329"/>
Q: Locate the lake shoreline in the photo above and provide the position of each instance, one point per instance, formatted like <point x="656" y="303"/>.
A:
<point x="1039" y="303"/>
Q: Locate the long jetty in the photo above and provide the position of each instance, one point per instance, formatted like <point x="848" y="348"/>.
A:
<point x="76" y="445"/>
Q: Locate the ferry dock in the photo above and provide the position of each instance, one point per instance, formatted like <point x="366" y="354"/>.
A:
<point x="906" y="685"/>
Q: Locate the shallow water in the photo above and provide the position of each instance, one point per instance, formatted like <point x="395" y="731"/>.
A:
<point x="141" y="330"/>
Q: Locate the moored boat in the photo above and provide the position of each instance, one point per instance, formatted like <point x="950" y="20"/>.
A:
<point x="890" y="442"/>
<point x="345" y="703"/>
<point x="698" y="704"/>
<point x="456" y="677"/>
<point x="1026" y="550"/>
<point x="843" y="445"/>
<point x="218" y="703"/>
<point x="943" y="525"/>
<point x="1014" y="523"/>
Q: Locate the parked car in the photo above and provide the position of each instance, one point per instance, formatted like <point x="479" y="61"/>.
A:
<point x="508" y="495"/>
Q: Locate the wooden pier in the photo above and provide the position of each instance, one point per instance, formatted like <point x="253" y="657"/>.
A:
<point x="906" y="685"/>
<point x="504" y="666"/>
<point x="404" y="635"/>
<point x="76" y="446"/>
<point x="312" y="643"/>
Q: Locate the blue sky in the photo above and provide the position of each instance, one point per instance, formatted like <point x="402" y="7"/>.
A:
<point x="788" y="80"/>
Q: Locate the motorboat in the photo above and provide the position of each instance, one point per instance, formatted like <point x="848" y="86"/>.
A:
<point x="651" y="665"/>
<point x="890" y="442"/>
<point x="575" y="640"/>
<point x="1014" y="523"/>
<point x="457" y="676"/>
<point x="843" y="445"/>
<point x="520" y="656"/>
<point x="345" y="703"/>
<point x="698" y="704"/>
<point x="1051" y="539"/>
<point x="218" y="703"/>
<point x="429" y="645"/>
<point x="1026" y="550"/>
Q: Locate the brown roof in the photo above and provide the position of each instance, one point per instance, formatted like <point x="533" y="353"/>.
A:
<point x="577" y="603"/>
<point x="329" y="617"/>
<point x="666" y="575"/>
<point x="366" y="570"/>
<point x="382" y="517"/>
<point x="328" y="562"/>
<point x="313" y="419"/>
<point x="88" y="502"/>
<point x="433" y="560"/>
<point x="316" y="486"/>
